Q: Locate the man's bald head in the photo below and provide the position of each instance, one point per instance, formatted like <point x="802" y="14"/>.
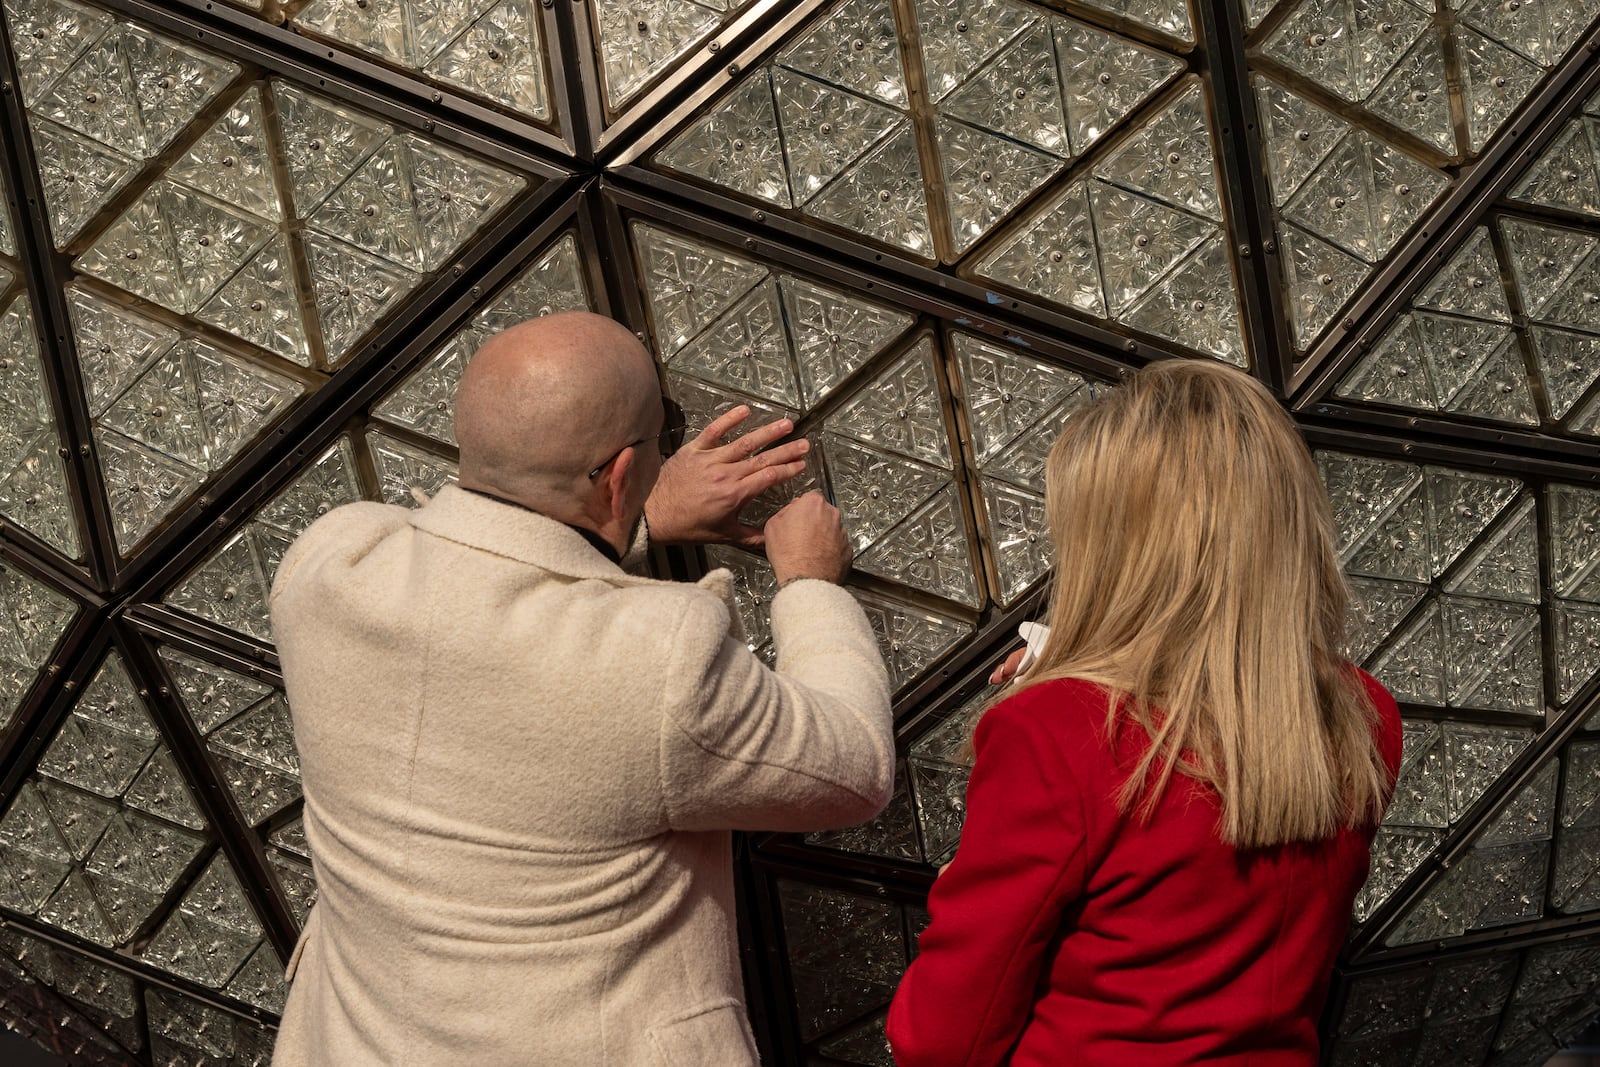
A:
<point x="544" y="401"/>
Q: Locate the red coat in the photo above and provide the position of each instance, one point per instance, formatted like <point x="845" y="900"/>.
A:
<point x="1067" y="933"/>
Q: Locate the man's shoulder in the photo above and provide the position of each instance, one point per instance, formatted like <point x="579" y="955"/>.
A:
<point x="350" y="529"/>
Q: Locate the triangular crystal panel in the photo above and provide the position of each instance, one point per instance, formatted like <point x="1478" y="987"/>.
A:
<point x="1569" y="363"/>
<point x="1170" y="158"/>
<point x="500" y="56"/>
<point x="900" y="410"/>
<point x="1475" y="756"/>
<point x="1461" y="505"/>
<point x="1320" y="279"/>
<point x="985" y="176"/>
<point x="881" y="196"/>
<point x="855" y="46"/>
<point x="1139" y="240"/>
<point x="874" y="490"/>
<point x="1104" y="79"/>
<point x="929" y="551"/>
<point x="911" y="638"/>
<point x="1489" y="654"/>
<point x="1397" y="371"/>
<point x="114" y="345"/>
<point x="638" y="39"/>
<point x="1566" y="175"/>
<point x="134" y="89"/>
<point x="353" y="291"/>
<point x="1412" y="667"/>
<point x="824" y="129"/>
<point x="407" y="475"/>
<point x="736" y="146"/>
<point x="1170" y="17"/>
<point x="958" y="36"/>
<point x="1505" y="566"/>
<point x="834" y="333"/>
<point x="1019" y="536"/>
<point x="1053" y="255"/>
<point x="1297" y="135"/>
<point x="50" y="34"/>
<point x="375" y="26"/>
<point x="1542" y="32"/>
<point x="747" y="349"/>
<point x="1469" y="284"/>
<point x="1364" y="491"/>
<point x="1415" y="96"/>
<point x="1396" y="852"/>
<point x="1494" y="82"/>
<point x="232" y="160"/>
<point x="143" y="487"/>
<point x="1542" y="257"/>
<point x="79" y="175"/>
<point x="1005" y="393"/>
<point x="1195" y="305"/>
<point x="688" y="285"/>
<point x="1574" y="542"/>
<point x="323" y="143"/>
<point x="1018" y="95"/>
<point x="1577" y="645"/>
<point x="1377" y="606"/>
<point x="260" y="304"/>
<point x="1498" y="389"/>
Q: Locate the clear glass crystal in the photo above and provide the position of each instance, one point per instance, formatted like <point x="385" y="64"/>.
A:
<point x="407" y="475"/>
<point x="900" y="410"/>
<point x="688" y="285"/>
<point x="854" y="46"/>
<point x="737" y="146"/>
<point x="500" y="56"/>
<point x="639" y="39"/>
<point x="1494" y="81"/>
<point x="846" y="953"/>
<point x="910" y="637"/>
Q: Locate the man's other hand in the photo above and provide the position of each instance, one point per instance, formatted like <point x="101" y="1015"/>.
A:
<point x="806" y="540"/>
<point x="706" y="483"/>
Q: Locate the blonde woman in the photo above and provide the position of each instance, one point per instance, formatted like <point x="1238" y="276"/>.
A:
<point x="1168" y="823"/>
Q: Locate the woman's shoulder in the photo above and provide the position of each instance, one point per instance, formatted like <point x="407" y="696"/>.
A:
<point x="1067" y="709"/>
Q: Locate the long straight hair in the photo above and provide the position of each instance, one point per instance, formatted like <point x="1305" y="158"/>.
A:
<point x="1196" y="580"/>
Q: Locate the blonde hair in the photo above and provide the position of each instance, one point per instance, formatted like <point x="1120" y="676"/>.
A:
<point x="1197" y="581"/>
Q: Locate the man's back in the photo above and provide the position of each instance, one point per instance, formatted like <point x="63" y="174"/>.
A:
<point x="520" y="765"/>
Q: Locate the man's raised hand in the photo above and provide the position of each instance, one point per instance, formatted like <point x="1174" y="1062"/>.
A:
<point x="704" y="486"/>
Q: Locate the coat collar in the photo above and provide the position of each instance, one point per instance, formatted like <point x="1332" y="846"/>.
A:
<point x="516" y="533"/>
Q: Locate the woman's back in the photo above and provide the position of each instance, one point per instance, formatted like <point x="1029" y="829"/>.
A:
<point x="1069" y="931"/>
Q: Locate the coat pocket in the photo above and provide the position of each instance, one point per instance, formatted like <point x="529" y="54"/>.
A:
<point x="715" y="1033"/>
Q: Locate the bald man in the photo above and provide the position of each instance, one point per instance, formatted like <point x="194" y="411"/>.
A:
<point x="522" y="762"/>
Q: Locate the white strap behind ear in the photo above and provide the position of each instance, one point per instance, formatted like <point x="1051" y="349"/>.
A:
<point x="1035" y="634"/>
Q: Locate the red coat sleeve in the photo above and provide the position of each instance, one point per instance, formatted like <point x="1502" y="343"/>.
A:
<point x="1021" y="862"/>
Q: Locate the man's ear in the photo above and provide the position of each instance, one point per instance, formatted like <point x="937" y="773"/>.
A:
<point x="615" y="485"/>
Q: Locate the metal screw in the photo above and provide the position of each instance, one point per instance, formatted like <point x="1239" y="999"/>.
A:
<point x="714" y="47"/>
<point x="1244" y="251"/>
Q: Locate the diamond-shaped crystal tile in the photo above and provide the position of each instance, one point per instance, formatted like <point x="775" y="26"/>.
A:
<point x="911" y="638"/>
<point x="985" y="176"/>
<point x="688" y="285"/>
<point x="846" y="953"/>
<point x="881" y="195"/>
<point x="79" y="176"/>
<point x="737" y="145"/>
<point x="133" y="89"/>
<point x="892" y="833"/>
<point x="1505" y="565"/>
<point x="407" y="475"/>
<point x="500" y="56"/>
<point x="231" y="586"/>
<point x="638" y="39"/>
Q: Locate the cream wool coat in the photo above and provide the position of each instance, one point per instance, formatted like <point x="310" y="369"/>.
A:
<point x="521" y="765"/>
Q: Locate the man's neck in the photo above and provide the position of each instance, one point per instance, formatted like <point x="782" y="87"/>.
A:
<point x="601" y="543"/>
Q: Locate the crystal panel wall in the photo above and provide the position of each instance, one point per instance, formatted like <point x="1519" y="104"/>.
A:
<point x="248" y="247"/>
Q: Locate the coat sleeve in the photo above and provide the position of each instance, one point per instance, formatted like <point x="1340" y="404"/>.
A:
<point x="996" y="908"/>
<point x="807" y="746"/>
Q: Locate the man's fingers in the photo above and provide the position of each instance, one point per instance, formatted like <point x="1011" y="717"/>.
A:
<point x="757" y="439"/>
<point x="759" y="481"/>
<point x="720" y="427"/>
<point x="778" y="455"/>
<point x="746" y="536"/>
